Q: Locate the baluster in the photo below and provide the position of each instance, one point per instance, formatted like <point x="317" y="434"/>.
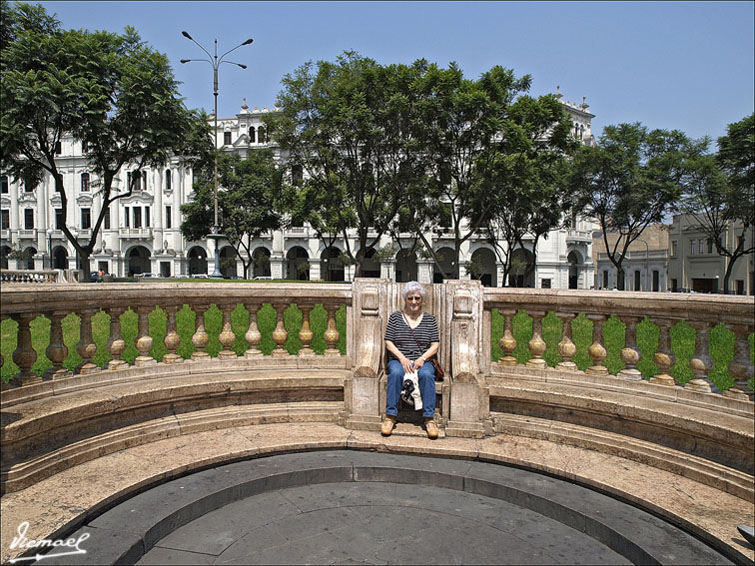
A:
<point x="227" y="337"/>
<point x="566" y="347"/>
<point x="596" y="350"/>
<point x="172" y="340"/>
<point x="200" y="338"/>
<point x="144" y="342"/>
<point x="664" y="358"/>
<point x="86" y="347"/>
<point x="57" y="350"/>
<point x="305" y="334"/>
<point x="508" y="342"/>
<point x="280" y="334"/>
<point x="537" y="345"/>
<point x="701" y="364"/>
<point x="24" y="356"/>
<point x="331" y="334"/>
<point x="253" y="336"/>
<point x="741" y="368"/>
<point x="116" y="345"/>
<point x="630" y="355"/>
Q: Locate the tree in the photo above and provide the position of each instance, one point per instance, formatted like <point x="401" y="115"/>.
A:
<point x="246" y="201"/>
<point x="346" y="128"/>
<point x="719" y="191"/>
<point x="527" y="178"/>
<point x="111" y="92"/>
<point x="630" y="180"/>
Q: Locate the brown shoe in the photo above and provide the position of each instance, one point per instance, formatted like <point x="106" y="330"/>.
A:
<point x="388" y="425"/>
<point x="431" y="428"/>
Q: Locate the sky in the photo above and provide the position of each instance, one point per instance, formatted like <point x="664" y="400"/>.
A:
<point x="674" y="65"/>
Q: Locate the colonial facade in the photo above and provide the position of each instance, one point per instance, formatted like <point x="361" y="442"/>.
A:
<point x="645" y="266"/>
<point x="141" y="233"/>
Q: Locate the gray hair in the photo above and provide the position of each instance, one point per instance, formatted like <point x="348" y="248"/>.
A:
<point x="412" y="287"/>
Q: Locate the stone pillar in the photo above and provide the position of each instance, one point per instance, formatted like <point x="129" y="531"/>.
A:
<point x="332" y="336"/>
<point x="24" y="355"/>
<point x="144" y="342"/>
<point x="508" y="342"/>
<point x="276" y="266"/>
<point x="200" y="339"/>
<point x="388" y="269"/>
<point x="470" y="398"/>
<point x="305" y="334"/>
<point x="315" y="269"/>
<point x="361" y="394"/>
<point x="280" y="334"/>
<point x="172" y="340"/>
<point x="253" y="336"/>
<point x="227" y="337"/>
<point x="664" y="358"/>
<point x="597" y="350"/>
<point x="630" y="355"/>
<point x="86" y="347"/>
<point x="116" y="345"/>
<point x="701" y="364"/>
<point x="566" y="347"/>
<point x="741" y="368"/>
<point x="537" y="345"/>
<point x="57" y="350"/>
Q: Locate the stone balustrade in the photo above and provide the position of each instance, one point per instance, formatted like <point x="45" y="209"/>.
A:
<point x="34" y="276"/>
<point x="701" y="312"/>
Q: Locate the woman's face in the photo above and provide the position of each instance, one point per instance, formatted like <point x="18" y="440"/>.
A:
<point x="414" y="303"/>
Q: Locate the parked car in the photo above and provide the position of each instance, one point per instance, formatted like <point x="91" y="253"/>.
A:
<point x="263" y="278"/>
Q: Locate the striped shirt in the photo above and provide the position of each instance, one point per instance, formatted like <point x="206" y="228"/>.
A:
<point x="400" y="334"/>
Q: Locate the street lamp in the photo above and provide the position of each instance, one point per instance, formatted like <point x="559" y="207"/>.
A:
<point x="215" y="63"/>
<point x="49" y="245"/>
<point x="647" y="252"/>
<point x="75" y="235"/>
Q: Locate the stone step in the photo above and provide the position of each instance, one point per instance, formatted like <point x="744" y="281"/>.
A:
<point x="412" y="429"/>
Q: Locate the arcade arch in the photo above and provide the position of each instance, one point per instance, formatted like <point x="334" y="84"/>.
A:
<point x="297" y="264"/>
<point x="484" y="267"/>
<point x="197" y="261"/>
<point x="137" y="260"/>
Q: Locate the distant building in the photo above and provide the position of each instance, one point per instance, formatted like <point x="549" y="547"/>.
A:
<point x="695" y="265"/>
<point x="645" y="266"/>
<point x="141" y="233"/>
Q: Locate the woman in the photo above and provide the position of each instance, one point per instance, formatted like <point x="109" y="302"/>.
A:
<point x="411" y="339"/>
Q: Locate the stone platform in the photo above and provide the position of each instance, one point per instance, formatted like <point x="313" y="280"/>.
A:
<point x="86" y="493"/>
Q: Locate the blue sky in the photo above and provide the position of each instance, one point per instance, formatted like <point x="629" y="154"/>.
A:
<point x="683" y="65"/>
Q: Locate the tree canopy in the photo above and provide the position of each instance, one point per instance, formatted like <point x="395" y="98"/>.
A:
<point x="111" y="92"/>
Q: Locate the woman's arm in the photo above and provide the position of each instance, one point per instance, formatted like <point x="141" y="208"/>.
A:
<point x="431" y="351"/>
<point x="405" y="362"/>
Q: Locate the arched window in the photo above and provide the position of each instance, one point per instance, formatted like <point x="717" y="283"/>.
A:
<point x="261" y="135"/>
<point x="4" y="180"/>
<point x="252" y="135"/>
<point x="226" y="138"/>
<point x="84" y="182"/>
<point x="168" y="180"/>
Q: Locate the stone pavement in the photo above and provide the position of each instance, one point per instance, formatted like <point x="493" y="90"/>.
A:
<point x="58" y="505"/>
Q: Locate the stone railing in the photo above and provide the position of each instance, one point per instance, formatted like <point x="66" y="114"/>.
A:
<point x="34" y="276"/>
<point x="701" y="312"/>
<point x="25" y="303"/>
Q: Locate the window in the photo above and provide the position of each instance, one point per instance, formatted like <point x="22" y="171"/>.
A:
<point x="710" y="245"/>
<point x="5" y="220"/>
<point x="4" y="189"/>
<point x="58" y="148"/>
<point x="84" y="182"/>
<point x="740" y="286"/>
<point x="138" y="181"/>
<point x="168" y="217"/>
<point x="28" y="185"/>
<point x="58" y="218"/>
<point x="252" y="135"/>
<point x="674" y="248"/>
<point x="545" y="283"/>
<point x="701" y="246"/>
<point x="692" y="247"/>
<point x="637" y="281"/>
<point x="146" y="217"/>
<point x="674" y="285"/>
<point x="605" y="280"/>
<point x="656" y="281"/>
<point x="137" y="217"/>
<point x="168" y="180"/>
<point x="226" y="138"/>
<point x="261" y="135"/>
<point x="86" y="218"/>
<point x="106" y="219"/>
<point x="29" y="218"/>
<point x="127" y="220"/>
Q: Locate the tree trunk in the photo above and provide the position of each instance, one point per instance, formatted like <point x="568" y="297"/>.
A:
<point x="620" y="278"/>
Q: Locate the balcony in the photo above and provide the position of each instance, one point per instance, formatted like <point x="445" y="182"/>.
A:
<point x="578" y="237"/>
<point x="135" y="233"/>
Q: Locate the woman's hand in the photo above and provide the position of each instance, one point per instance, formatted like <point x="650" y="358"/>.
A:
<point x="408" y="365"/>
<point x="418" y="363"/>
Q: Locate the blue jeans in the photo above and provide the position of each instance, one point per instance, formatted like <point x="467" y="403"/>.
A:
<point x="426" y="376"/>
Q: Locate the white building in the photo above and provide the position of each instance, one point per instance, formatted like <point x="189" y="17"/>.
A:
<point x="141" y="233"/>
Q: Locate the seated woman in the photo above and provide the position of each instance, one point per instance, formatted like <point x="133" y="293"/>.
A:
<point x="411" y="339"/>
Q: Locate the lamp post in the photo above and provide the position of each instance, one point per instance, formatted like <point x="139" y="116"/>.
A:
<point x="215" y="63"/>
<point x="75" y="235"/>
<point x="647" y="253"/>
<point x="49" y="245"/>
